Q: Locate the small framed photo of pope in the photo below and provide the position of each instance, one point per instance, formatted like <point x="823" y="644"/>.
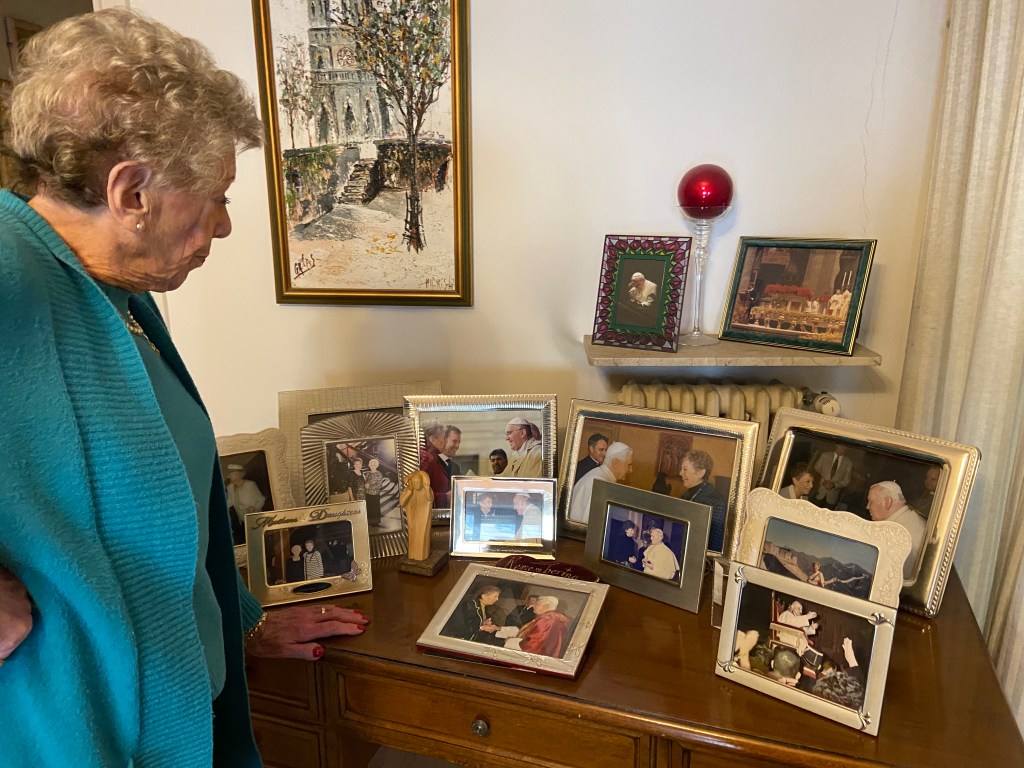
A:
<point x="640" y="296"/>
<point x="648" y="543"/>
<point x="508" y="436"/>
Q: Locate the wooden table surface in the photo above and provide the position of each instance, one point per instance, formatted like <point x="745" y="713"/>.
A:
<point x="654" y="665"/>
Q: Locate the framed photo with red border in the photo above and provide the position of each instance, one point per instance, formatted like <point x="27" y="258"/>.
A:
<point x="640" y="296"/>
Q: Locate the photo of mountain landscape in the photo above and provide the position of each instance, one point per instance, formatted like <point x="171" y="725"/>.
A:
<point x="818" y="557"/>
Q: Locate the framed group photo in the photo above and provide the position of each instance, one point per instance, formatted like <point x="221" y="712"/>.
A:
<point x="483" y="435"/>
<point x="922" y="483"/>
<point x="301" y="407"/>
<point x="366" y="109"/>
<point x="256" y="479"/>
<point x="822" y="651"/>
<point x="837" y="551"/>
<point x="701" y="459"/>
<point x="308" y="553"/>
<point x="500" y="516"/>
<point x="363" y="458"/>
<point x="806" y="294"/>
<point x="647" y="543"/>
<point x="640" y="295"/>
<point x="530" y="620"/>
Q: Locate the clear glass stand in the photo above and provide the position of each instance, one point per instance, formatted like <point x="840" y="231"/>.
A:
<point x="696" y="338"/>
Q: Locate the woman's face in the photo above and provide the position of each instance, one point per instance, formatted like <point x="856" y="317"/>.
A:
<point x="177" y="235"/>
<point x="690" y="475"/>
<point x="489" y="598"/>
<point x="309" y="546"/>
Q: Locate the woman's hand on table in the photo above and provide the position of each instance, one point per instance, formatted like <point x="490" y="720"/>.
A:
<point x="291" y="633"/>
<point x="15" y="613"/>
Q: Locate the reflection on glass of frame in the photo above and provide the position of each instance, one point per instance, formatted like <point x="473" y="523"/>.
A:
<point x="517" y="618"/>
<point x="696" y="458"/>
<point x="822" y="651"/>
<point x="648" y="543"/>
<point x="921" y="483"/>
<point x="497" y="516"/>
<point x="308" y="553"/>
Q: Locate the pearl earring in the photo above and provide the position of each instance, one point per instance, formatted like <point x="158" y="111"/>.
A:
<point x="138" y="226"/>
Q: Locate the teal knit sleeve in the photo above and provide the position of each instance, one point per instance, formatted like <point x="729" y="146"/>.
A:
<point x="249" y="605"/>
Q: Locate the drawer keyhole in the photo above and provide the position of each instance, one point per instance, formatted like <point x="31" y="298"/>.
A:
<point x="480" y="727"/>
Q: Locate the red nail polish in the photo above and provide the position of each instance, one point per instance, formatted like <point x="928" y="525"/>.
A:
<point x="318" y="652"/>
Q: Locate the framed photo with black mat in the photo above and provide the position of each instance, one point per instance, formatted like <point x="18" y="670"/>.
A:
<point x="640" y="295"/>
<point x="648" y="543"/>
<point x="308" y="553"/>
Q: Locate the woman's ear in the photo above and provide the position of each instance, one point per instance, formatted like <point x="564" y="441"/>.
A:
<point x="130" y="194"/>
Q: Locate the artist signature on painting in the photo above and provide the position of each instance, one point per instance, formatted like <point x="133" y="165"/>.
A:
<point x="439" y="284"/>
<point x="305" y="263"/>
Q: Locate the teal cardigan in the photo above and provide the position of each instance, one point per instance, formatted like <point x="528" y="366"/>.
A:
<point x="98" y="520"/>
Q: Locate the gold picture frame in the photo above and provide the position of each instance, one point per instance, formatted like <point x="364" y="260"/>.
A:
<point x="348" y="191"/>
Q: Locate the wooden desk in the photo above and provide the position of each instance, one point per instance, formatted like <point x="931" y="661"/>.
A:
<point x="647" y="696"/>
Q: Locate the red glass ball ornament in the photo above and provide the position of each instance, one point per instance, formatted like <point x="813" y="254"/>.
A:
<point x="705" y="191"/>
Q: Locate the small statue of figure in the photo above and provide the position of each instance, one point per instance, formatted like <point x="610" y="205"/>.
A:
<point x="418" y="501"/>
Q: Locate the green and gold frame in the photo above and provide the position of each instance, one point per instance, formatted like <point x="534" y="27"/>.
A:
<point x="804" y="294"/>
<point x="640" y="297"/>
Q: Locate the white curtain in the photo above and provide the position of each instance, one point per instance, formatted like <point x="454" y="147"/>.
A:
<point x="964" y="367"/>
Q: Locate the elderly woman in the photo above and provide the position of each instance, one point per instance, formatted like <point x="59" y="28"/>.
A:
<point x="121" y="613"/>
<point x="695" y="472"/>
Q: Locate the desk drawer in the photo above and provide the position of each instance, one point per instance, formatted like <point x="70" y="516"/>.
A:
<point x="488" y="725"/>
<point x="287" y="746"/>
<point x="285" y="688"/>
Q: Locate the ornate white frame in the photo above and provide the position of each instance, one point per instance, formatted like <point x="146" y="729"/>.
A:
<point x="891" y="540"/>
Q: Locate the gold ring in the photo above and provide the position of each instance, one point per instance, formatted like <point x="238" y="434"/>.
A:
<point x="322" y="610"/>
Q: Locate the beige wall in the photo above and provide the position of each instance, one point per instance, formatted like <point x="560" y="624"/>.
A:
<point x="585" y="113"/>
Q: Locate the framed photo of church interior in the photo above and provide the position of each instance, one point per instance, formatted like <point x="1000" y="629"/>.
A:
<point x="640" y="294"/>
<point x="500" y="516"/>
<point x="301" y="407"/>
<point x="832" y="659"/>
<point x="366" y="111"/>
<point x="837" y="551"/>
<point x="256" y="479"/>
<point x="648" y="543"/>
<point x="529" y="620"/>
<point x="365" y="458"/>
<point x="805" y="294"/>
<point x="925" y="486"/>
<point x="308" y="553"/>
<point x="483" y="435"/>
<point x="703" y="459"/>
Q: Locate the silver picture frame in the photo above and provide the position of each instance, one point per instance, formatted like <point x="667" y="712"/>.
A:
<point x="885" y="454"/>
<point x="482" y="420"/>
<point x="501" y="516"/>
<point x="264" y="457"/>
<point x="578" y="602"/>
<point x="684" y="527"/>
<point x="660" y="441"/>
<point x="364" y="431"/>
<point x="301" y="407"/>
<point x="855" y="697"/>
<point x="334" y="557"/>
<point x="805" y="533"/>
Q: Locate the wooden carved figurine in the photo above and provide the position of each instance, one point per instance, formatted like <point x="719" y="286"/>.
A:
<point x="418" y="500"/>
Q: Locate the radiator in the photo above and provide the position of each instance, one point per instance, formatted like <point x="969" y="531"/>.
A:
<point x="744" y="402"/>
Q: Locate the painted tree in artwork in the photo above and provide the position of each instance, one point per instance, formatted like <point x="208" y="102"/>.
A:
<point x="406" y="45"/>
<point x="295" y="86"/>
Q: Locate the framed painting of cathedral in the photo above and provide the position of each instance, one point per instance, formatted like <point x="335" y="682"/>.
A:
<point x="367" y="157"/>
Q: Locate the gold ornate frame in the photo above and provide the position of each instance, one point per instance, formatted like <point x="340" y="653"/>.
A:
<point x="459" y="293"/>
